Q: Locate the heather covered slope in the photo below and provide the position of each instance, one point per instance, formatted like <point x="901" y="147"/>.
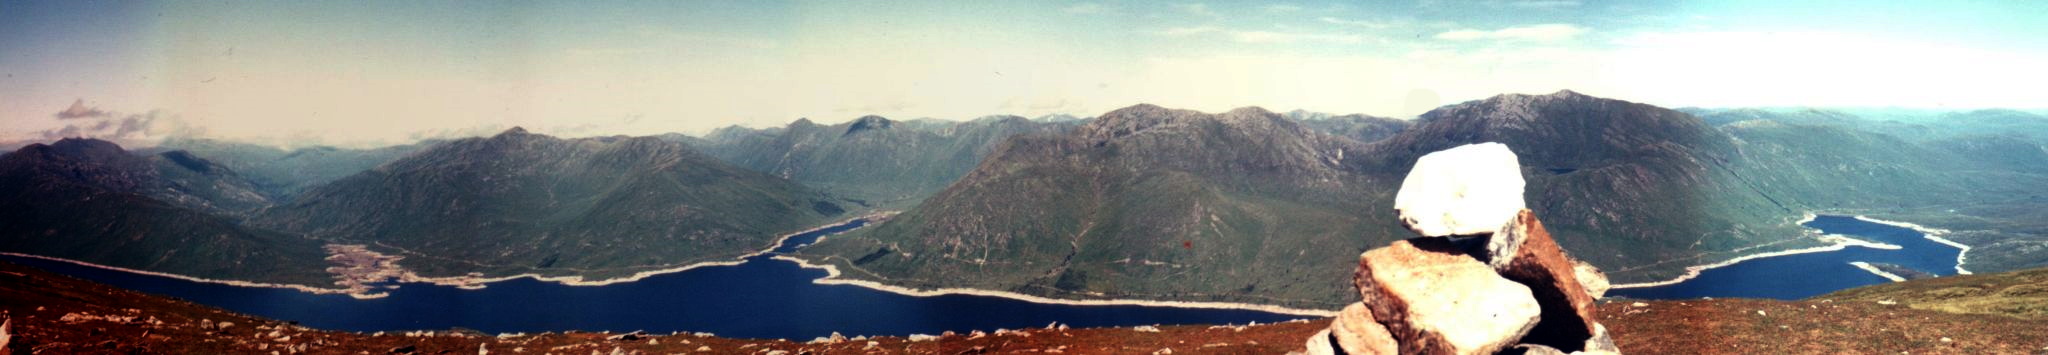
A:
<point x="1999" y="313"/>
<point x="520" y="202"/>
<point x="2018" y="294"/>
<point x="36" y="304"/>
<point x="55" y="314"/>
<point x="880" y="161"/>
<point x="91" y="200"/>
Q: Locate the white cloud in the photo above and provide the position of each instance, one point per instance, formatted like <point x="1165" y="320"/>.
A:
<point x="1376" y="84"/>
<point x="1263" y="37"/>
<point x="78" y="109"/>
<point x="708" y="39"/>
<point x="1086" y="8"/>
<point x="1358" y="23"/>
<point x="1820" y="69"/>
<point x="1543" y="4"/>
<point x="1187" y="31"/>
<point x="1287" y="37"/>
<point x="1540" y="33"/>
<point x="1279" y="8"/>
<point x="1197" y="10"/>
<point x="133" y="130"/>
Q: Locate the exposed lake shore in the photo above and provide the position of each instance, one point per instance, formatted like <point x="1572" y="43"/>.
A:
<point x="1836" y="242"/>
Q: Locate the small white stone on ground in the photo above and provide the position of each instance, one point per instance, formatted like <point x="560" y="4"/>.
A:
<point x="1468" y="190"/>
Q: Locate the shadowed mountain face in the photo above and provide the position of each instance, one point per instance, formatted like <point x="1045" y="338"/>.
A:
<point x="175" y="177"/>
<point x="520" y="202"/>
<point x="90" y="200"/>
<point x="281" y="174"/>
<point x="1249" y="206"/>
<point x="873" y="159"/>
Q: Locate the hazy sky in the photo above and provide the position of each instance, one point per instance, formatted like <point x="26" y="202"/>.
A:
<point x="367" y="73"/>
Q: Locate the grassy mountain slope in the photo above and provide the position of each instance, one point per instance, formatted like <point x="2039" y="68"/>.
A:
<point x="90" y="200"/>
<point x="281" y="174"/>
<point x="1124" y="206"/>
<point x="874" y="159"/>
<point x="520" y="202"/>
<point x="1141" y="202"/>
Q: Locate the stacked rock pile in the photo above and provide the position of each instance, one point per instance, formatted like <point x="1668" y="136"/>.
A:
<point x="1484" y="277"/>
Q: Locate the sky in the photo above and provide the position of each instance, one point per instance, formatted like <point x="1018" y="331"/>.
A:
<point x="369" y="73"/>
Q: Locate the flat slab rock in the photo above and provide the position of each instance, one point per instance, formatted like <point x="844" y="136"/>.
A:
<point x="1435" y="299"/>
<point x="1356" y="332"/>
<point x="1524" y="252"/>
<point x="1463" y="191"/>
<point x="1319" y="344"/>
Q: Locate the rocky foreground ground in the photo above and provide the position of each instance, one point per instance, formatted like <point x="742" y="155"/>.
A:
<point x="54" y="314"/>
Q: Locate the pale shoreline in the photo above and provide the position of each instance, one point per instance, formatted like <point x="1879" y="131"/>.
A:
<point x="1874" y="270"/>
<point x="300" y="288"/>
<point x="1840" y="242"/>
<point x="1930" y="233"/>
<point x="469" y="283"/>
<point x="462" y="282"/>
<point x="832" y="278"/>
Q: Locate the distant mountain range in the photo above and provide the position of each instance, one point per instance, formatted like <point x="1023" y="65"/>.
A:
<point x="519" y="202"/>
<point x="1141" y="202"/>
<point x="172" y="212"/>
<point x="1249" y="205"/>
<point x="872" y="159"/>
<point x="280" y="174"/>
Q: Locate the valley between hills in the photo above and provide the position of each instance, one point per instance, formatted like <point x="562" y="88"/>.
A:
<point x="52" y="313"/>
<point x="1145" y="202"/>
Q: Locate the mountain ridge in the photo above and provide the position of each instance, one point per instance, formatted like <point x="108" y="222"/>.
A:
<point x="519" y="202"/>
<point x="1639" y="190"/>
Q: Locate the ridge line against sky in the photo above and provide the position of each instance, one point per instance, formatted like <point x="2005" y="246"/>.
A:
<point x="374" y="73"/>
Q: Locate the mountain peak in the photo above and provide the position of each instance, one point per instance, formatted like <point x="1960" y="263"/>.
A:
<point x="1248" y="111"/>
<point x="89" y="148"/>
<point x="1130" y="120"/>
<point x="869" y="122"/>
<point x="516" y="130"/>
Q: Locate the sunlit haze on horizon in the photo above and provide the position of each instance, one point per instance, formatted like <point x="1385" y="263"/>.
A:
<point x="375" y="73"/>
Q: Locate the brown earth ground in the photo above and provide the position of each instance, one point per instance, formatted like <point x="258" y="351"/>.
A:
<point x="53" y="314"/>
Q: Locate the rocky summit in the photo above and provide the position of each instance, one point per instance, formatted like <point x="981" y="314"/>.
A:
<point x="1508" y="288"/>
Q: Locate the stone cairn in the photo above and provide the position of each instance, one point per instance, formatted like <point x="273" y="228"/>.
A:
<point x="1483" y="278"/>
